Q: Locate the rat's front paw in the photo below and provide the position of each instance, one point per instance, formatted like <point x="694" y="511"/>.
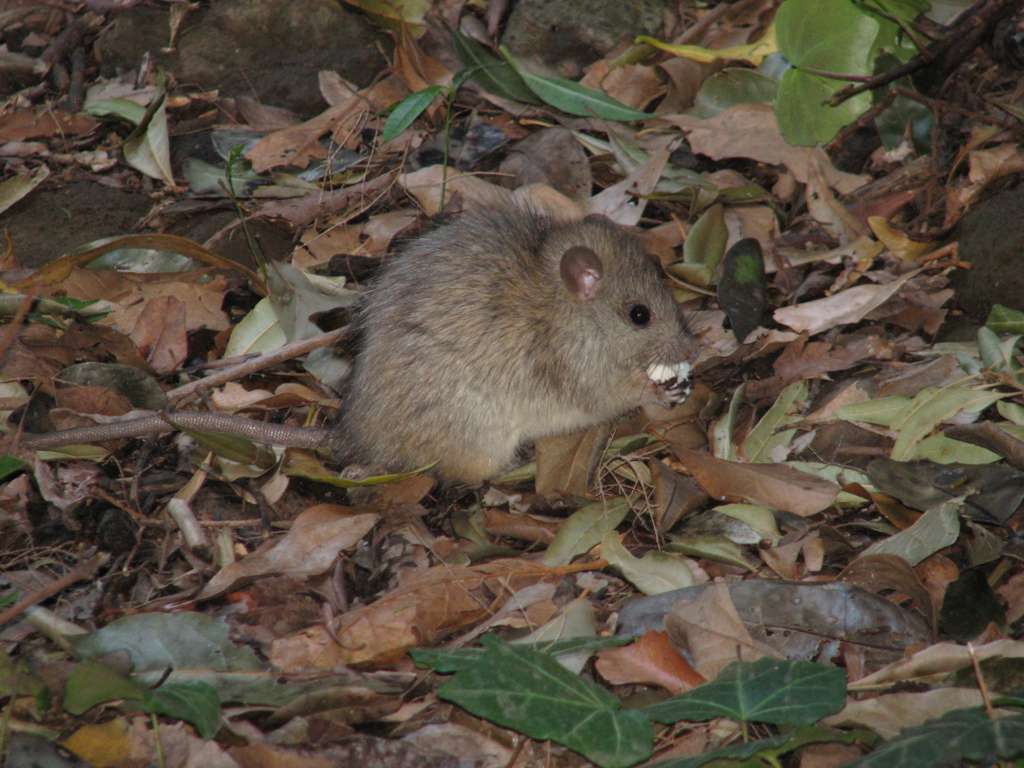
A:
<point x="672" y="382"/>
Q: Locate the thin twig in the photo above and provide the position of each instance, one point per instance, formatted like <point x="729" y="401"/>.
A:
<point x="287" y="352"/>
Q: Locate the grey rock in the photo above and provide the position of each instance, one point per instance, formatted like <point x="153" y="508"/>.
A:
<point x="992" y="240"/>
<point x="267" y="49"/>
<point x="563" y="36"/>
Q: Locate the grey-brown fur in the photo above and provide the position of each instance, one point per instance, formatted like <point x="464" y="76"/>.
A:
<point x="473" y="344"/>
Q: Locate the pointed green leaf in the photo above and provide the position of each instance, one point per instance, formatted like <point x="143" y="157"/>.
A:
<point x="584" y="529"/>
<point x="929" y="408"/>
<point x="573" y="98"/>
<point x="491" y="73"/>
<point x="407" y="110"/>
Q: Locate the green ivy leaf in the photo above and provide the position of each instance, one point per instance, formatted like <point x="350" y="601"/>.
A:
<point x="532" y="693"/>
<point x="764" y="691"/>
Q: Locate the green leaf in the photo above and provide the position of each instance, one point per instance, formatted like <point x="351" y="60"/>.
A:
<point x="958" y="736"/>
<point x="93" y="683"/>
<point x="584" y="529"/>
<point x="20" y="184"/>
<point x="776" y="417"/>
<point x="946" y="450"/>
<point x="936" y="529"/>
<point x="491" y="73"/>
<point x="831" y="36"/>
<point x="148" y="149"/>
<point x="711" y="547"/>
<point x="652" y="574"/>
<point x="407" y="110"/>
<point x="1005" y="320"/>
<point x="732" y="86"/>
<point x="882" y="410"/>
<point x="258" y="332"/>
<point x="194" y="702"/>
<point x="1011" y="412"/>
<point x="156" y="641"/>
<point x="447" y="661"/>
<point x="763" y="691"/>
<point x="532" y="693"/>
<point x="125" y="109"/>
<point x="706" y="241"/>
<point x="10" y="465"/>
<point x="721" y="433"/>
<point x="929" y="408"/>
<point x="760" y="519"/>
<point x="572" y="98"/>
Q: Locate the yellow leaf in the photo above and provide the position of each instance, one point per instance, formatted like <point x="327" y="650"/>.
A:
<point x="898" y="243"/>
<point x="753" y="53"/>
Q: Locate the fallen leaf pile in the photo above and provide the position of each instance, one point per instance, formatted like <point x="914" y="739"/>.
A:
<point x="814" y="560"/>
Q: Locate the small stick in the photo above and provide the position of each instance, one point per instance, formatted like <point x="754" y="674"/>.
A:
<point x="244" y="368"/>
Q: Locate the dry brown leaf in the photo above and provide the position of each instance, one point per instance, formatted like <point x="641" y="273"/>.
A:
<point x="316" y="248"/>
<point x="1012" y="591"/>
<point x="751" y="131"/>
<point x="415" y="67"/>
<point x="625" y="201"/>
<point x="675" y="496"/>
<point x="937" y="661"/>
<point x="41" y="123"/>
<point x="653" y="660"/>
<point x="782" y="560"/>
<point x="93" y="399"/>
<point x="523" y="527"/>
<point x="879" y="573"/>
<point x="635" y="85"/>
<point x="826" y="209"/>
<point x="310" y="547"/>
<point x="772" y="485"/>
<point x="234" y="397"/>
<point x="425" y="185"/>
<point x="711" y="631"/>
<point x="161" y="334"/>
<point x="297" y="145"/>
<point x="427" y="606"/>
<point x="685" y="79"/>
<point x="848" y="306"/>
<point x="65" y="485"/>
<point x="889" y="714"/>
<point x="129" y="292"/>
<point x="96" y="342"/>
<point x="382" y="228"/>
<point x="566" y="463"/>
<point x="987" y="165"/>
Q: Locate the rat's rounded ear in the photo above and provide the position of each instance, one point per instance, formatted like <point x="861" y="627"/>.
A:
<point x="597" y="218"/>
<point x="581" y="272"/>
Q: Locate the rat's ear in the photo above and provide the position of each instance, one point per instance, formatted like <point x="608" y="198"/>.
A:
<point x="597" y="218"/>
<point x="581" y="272"/>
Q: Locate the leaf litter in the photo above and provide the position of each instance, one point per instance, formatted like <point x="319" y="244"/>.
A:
<point x="807" y="541"/>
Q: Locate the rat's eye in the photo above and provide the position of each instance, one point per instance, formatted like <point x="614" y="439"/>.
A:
<point x="639" y="314"/>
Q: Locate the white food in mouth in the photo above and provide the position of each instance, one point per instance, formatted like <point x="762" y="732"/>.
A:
<point x="660" y="373"/>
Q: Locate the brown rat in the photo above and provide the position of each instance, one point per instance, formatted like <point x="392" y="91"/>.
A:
<point x="502" y="327"/>
<point x="496" y="329"/>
